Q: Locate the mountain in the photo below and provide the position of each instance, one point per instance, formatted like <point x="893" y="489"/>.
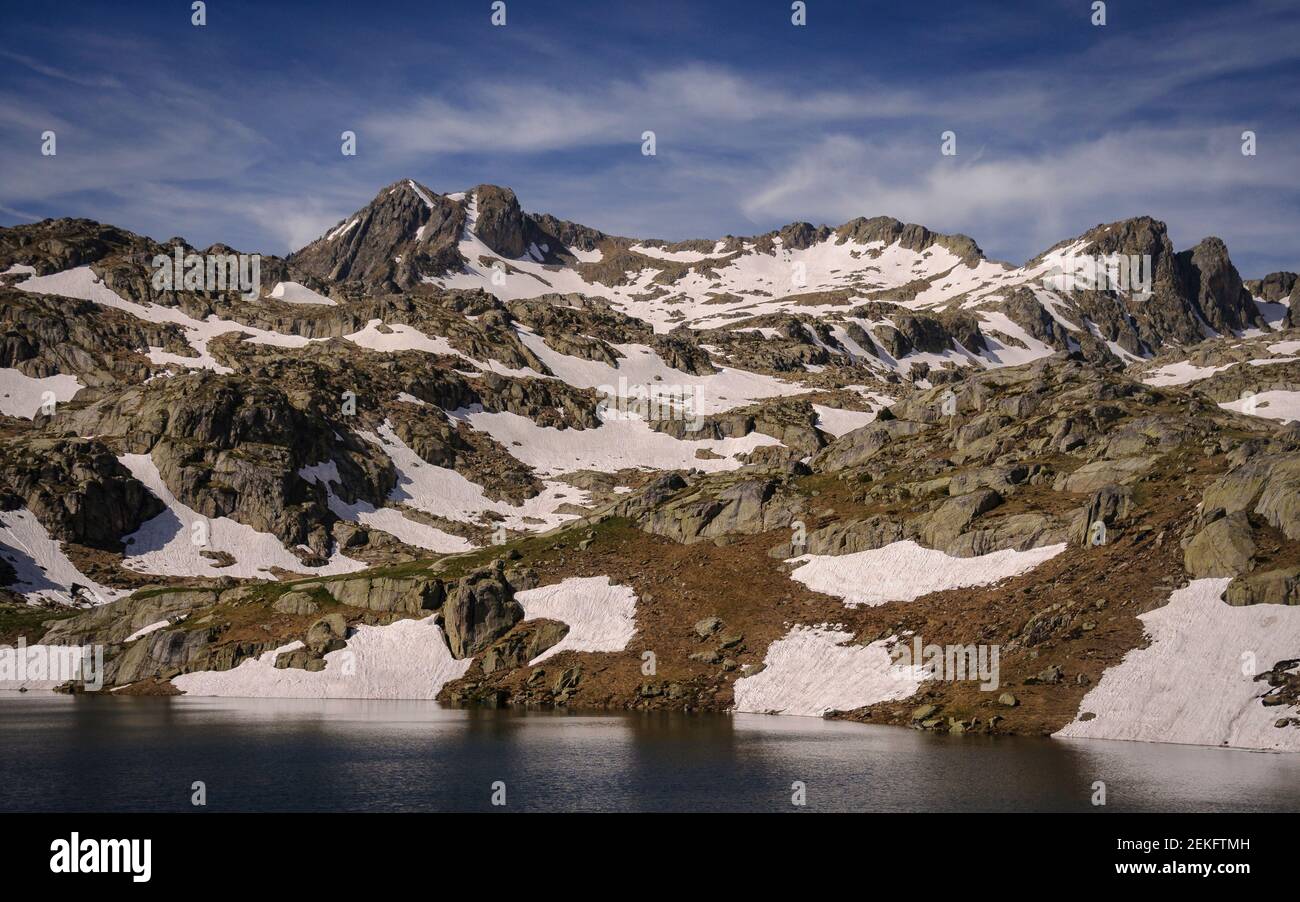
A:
<point x="454" y="449"/>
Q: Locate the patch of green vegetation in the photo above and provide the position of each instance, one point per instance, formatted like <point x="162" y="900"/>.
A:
<point x="26" y="620"/>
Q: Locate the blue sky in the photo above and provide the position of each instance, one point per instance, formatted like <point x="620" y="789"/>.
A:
<point x="230" y="132"/>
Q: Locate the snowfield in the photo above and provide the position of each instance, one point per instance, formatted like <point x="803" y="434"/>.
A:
<point x="616" y="444"/>
<point x="1194" y="683"/>
<point x="165" y="546"/>
<point x="1271" y="405"/>
<point x="904" y="571"/>
<point x="82" y="283"/>
<point x="601" y="616"/>
<point x="443" y="492"/>
<point x="813" y="670"/>
<point x="408" y="659"/>
<point x="22" y="396"/>
<point x="44" y="572"/>
<point x="1182" y="373"/>
<point x="295" y="293"/>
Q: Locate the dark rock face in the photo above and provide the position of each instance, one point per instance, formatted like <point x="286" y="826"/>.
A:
<point x="1023" y="309"/>
<point x="479" y="610"/>
<point x="77" y="489"/>
<point x="53" y="245"/>
<point x="1274" y="287"/>
<point x="406" y="221"/>
<point x="1188" y="289"/>
<point x="1215" y="287"/>
<point x="501" y="225"/>
<point x="230" y="446"/>
<point x="46" y="335"/>
<point x="522" y="644"/>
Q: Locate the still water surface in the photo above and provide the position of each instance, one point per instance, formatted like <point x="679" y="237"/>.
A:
<point x="60" y="753"/>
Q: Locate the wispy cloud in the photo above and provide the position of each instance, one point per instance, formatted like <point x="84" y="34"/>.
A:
<point x="1059" y="125"/>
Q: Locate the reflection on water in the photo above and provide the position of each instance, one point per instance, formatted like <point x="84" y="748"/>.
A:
<point x="109" y="754"/>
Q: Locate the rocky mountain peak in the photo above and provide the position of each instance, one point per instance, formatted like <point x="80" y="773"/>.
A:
<point x="500" y="223"/>
<point x="406" y="233"/>
<point x="910" y="235"/>
<point x="1215" y="287"/>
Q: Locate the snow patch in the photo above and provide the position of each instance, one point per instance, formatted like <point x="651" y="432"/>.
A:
<point x="1271" y="405"/>
<point x="22" y="395"/>
<point x="601" y="616"/>
<point x="904" y="571"/>
<point x="408" y="659"/>
<point x="44" y="572"/>
<point x="164" y="545"/>
<point x="813" y="670"/>
<point x="296" y="293"/>
<point x="1190" y="684"/>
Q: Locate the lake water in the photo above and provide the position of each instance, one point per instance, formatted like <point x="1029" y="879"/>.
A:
<point x="60" y="753"/>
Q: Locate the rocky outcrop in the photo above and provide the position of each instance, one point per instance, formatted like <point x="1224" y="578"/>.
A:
<point x="53" y="245"/>
<point x="909" y="235"/>
<point x="1274" y="287"/>
<point x="1266" y="587"/>
<point x="1279" y="500"/>
<point x="112" y="623"/>
<point x="1099" y="474"/>
<point x="522" y="644"/>
<point x="793" y="423"/>
<point x="388" y="594"/>
<point x="1214" y="285"/>
<point x="744" y="508"/>
<point x="406" y="233"/>
<point x="44" y="335"/>
<point x="953" y="516"/>
<point x="76" y="488"/>
<point x="857" y="447"/>
<point x="229" y="446"/>
<point x="478" y="610"/>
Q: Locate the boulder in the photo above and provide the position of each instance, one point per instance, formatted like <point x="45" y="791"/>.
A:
<point x="1266" y="587"/>
<point x="1279" y="502"/>
<point x="707" y="627"/>
<point x="954" y="515"/>
<point x="479" y="610"/>
<point x="1110" y="505"/>
<point x="1237" y="489"/>
<point x="295" y="603"/>
<point x="522" y="644"/>
<point x="1099" y="474"/>
<point x="327" y="634"/>
<point x="1224" y="548"/>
